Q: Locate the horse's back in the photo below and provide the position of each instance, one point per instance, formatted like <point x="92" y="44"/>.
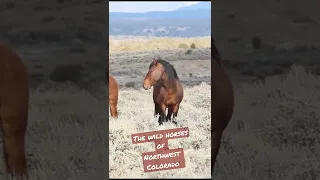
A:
<point x="222" y="96"/>
<point x="113" y="82"/>
<point x="179" y="92"/>
<point x="14" y="81"/>
<point x="11" y="65"/>
<point x="113" y="88"/>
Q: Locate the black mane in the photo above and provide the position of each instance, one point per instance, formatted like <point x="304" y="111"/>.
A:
<point x="167" y="65"/>
<point x="215" y="52"/>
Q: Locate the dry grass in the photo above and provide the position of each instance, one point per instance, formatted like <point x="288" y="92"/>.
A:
<point x="136" y="110"/>
<point x="67" y="134"/>
<point x="274" y="133"/>
<point x="158" y="43"/>
<point x="275" y="130"/>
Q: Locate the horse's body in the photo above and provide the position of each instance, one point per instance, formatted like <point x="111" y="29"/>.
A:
<point x="14" y="99"/>
<point x="113" y="96"/>
<point x="167" y="89"/>
<point x="222" y="103"/>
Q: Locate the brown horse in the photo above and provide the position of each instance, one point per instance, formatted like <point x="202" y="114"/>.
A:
<point x="14" y="99"/>
<point x="167" y="89"/>
<point x="113" y="96"/>
<point x="222" y="104"/>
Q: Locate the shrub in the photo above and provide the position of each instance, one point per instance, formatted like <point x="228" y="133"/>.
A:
<point x="256" y="42"/>
<point x="192" y="46"/>
<point x="130" y="85"/>
<point x="189" y="51"/>
<point x="69" y="72"/>
<point x="183" y="45"/>
<point x="48" y="18"/>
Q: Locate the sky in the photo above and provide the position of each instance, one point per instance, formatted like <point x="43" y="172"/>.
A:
<point x="144" y="6"/>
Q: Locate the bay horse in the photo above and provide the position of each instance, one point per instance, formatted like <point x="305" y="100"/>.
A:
<point x="14" y="101"/>
<point x="113" y="96"/>
<point x="167" y="89"/>
<point x="222" y="102"/>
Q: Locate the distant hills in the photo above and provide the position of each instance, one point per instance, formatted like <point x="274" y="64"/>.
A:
<point x="200" y="10"/>
<point x="187" y="21"/>
<point x="189" y="13"/>
<point x="201" y="5"/>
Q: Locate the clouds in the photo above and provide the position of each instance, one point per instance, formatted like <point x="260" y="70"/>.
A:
<point x="147" y="6"/>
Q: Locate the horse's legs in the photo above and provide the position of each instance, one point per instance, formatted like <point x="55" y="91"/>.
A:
<point x="162" y="117"/>
<point x="156" y="109"/>
<point x="175" y="112"/>
<point x="113" y="101"/>
<point x="13" y="132"/>
<point x="113" y="109"/>
<point x="170" y="111"/>
<point x="215" y="144"/>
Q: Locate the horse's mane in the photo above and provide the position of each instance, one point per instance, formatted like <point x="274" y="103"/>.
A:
<point x="167" y="65"/>
<point x="214" y="52"/>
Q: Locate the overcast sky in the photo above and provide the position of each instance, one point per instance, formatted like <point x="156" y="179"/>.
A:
<point x="144" y="6"/>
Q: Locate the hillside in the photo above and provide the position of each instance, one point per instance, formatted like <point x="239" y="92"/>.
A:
<point x="193" y="21"/>
<point x="181" y="14"/>
<point x="201" y="5"/>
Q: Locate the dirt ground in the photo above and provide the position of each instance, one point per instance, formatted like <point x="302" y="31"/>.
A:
<point x="130" y="68"/>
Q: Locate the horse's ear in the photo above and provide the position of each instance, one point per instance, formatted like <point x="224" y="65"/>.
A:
<point x="155" y="61"/>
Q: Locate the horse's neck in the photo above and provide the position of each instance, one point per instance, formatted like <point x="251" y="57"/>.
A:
<point x="171" y="88"/>
<point x="219" y="62"/>
<point x="170" y="84"/>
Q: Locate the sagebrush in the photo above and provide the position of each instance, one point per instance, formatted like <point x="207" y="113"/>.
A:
<point x="67" y="134"/>
<point x="136" y="109"/>
<point x="274" y="132"/>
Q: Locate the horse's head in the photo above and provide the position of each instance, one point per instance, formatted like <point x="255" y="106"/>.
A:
<point x="154" y="74"/>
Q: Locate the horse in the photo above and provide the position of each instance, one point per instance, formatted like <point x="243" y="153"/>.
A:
<point x="167" y="89"/>
<point x="222" y="105"/>
<point x="113" y="96"/>
<point x="14" y="101"/>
